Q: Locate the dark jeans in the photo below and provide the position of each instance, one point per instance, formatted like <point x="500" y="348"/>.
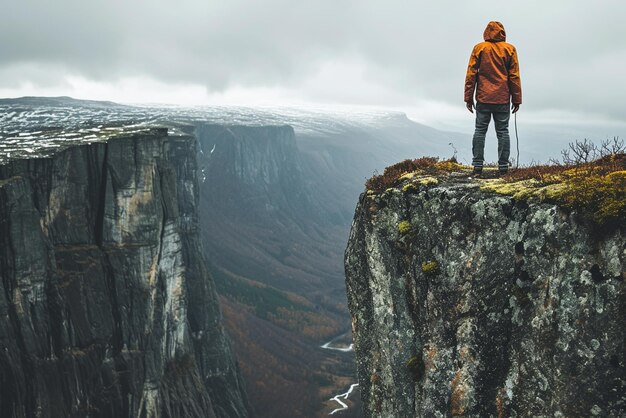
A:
<point x="501" y="115"/>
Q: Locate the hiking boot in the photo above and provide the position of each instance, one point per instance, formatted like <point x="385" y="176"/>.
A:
<point x="477" y="173"/>
<point x="502" y="172"/>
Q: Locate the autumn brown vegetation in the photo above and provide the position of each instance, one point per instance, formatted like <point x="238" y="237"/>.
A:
<point x="589" y="178"/>
<point x="426" y="165"/>
<point x="582" y="155"/>
<point x="285" y="375"/>
<point x="277" y="337"/>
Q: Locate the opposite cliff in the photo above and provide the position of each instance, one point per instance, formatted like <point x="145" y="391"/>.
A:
<point x="107" y="305"/>
<point x="276" y="256"/>
<point x="489" y="297"/>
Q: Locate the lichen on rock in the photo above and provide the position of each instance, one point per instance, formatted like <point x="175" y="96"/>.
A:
<point x="597" y="190"/>
<point x="512" y="301"/>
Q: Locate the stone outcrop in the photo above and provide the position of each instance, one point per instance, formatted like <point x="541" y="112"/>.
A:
<point x="107" y="305"/>
<point x="469" y="303"/>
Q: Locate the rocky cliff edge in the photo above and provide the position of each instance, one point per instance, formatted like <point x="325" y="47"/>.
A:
<point x="489" y="297"/>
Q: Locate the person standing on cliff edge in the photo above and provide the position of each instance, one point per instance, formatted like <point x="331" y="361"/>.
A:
<point x="493" y="72"/>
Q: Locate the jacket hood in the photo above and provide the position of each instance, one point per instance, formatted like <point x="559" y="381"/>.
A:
<point x="494" y="32"/>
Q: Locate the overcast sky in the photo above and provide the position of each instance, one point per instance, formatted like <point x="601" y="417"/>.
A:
<point x="399" y="54"/>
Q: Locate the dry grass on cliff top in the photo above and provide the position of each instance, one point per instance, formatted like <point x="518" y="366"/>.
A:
<point x="596" y="189"/>
<point x="590" y="179"/>
<point x="424" y="168"/>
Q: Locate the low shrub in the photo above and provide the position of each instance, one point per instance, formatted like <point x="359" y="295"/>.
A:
<point x="394" y="174"/>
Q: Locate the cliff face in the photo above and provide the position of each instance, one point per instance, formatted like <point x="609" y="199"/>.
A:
<point x="108" y="308"/>
<point x="259" y="166"/>
<point x="277" y="264"/>
<point x="467" y="303"/>
<point x="259" y="216"/>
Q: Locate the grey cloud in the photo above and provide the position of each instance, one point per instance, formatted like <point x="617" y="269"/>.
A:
<point x="571" y="53"/>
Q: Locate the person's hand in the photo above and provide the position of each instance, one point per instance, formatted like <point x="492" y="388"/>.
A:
<point x="470" y="106"/>
<point x="515" y="107"/>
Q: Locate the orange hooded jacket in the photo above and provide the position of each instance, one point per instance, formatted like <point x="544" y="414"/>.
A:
<point x="493" y="67"/>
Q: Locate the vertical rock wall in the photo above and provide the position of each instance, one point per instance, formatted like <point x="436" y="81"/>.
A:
<point x="107" y="306"/>
<point x="466" y="303"/>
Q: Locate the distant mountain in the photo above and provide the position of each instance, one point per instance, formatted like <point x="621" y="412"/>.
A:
<point x="339" y="161"/>
<point x="60" y="101"/>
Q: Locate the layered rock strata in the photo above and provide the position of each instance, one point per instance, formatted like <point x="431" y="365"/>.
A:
<point x="107" y="305"/>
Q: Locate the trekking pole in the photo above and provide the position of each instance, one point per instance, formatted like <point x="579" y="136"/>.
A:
<point x="516" y="140"/>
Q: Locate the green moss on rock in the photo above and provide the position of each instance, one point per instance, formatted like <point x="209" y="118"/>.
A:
<point x="599" y="196"/>
<point x="404" y="227"/>
<point x="416" y="367"/>
<point x="430" y="267"/>
<point x="409" y="188"/>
